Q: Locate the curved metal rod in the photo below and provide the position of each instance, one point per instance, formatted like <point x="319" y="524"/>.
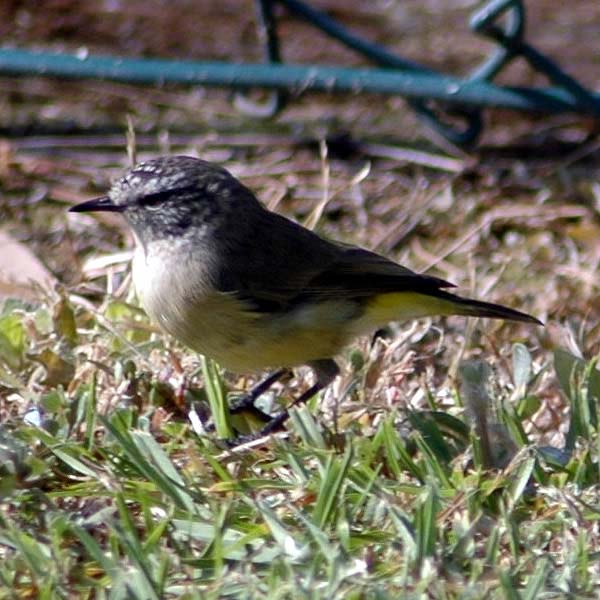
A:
<point x="435" y="117"/>
<point x="267" y="30"/>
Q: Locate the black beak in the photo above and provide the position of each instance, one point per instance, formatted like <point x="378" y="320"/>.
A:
<point x="103" y="203"/>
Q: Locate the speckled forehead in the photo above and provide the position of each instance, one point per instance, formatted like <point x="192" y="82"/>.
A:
<point x="147" y="179"/>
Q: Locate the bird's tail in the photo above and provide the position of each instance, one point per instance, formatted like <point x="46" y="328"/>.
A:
<point x="400" y="306"/>
<point x="477" y="308"/>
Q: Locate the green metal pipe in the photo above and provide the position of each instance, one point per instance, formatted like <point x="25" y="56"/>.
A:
<point x="295" y="78"/>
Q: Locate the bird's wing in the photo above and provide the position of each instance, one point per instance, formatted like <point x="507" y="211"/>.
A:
<point x="301" y="266"/>
<point x="360" y="273"/>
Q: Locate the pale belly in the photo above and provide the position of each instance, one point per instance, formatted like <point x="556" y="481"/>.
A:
<point x="220" y="327"/>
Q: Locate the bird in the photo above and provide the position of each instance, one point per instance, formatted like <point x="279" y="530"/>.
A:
<point x="255" y="290"/>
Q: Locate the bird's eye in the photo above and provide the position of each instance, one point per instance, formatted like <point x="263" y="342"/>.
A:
<point x="154" y="200"/>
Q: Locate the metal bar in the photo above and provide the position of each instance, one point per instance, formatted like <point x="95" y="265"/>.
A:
<point x="584" y="98"/>
<point x="267" y="32"/>
<point x="297" y="78"/>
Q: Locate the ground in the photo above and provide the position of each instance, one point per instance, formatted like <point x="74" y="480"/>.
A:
<point x="416" y="474"/>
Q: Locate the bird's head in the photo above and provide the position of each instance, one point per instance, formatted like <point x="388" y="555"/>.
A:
<point x="172" y="197"/>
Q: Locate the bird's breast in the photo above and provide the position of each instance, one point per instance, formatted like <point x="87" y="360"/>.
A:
<point x="176" y="290"/>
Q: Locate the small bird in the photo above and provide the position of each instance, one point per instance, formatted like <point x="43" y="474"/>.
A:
<point x="253" y="289"/>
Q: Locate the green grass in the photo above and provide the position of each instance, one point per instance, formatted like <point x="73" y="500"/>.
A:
<point x="107" y="497"/>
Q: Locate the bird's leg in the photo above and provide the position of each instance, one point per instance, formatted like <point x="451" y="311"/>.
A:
<point x="247" y="400"/>
<point x="326" y="371"/>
